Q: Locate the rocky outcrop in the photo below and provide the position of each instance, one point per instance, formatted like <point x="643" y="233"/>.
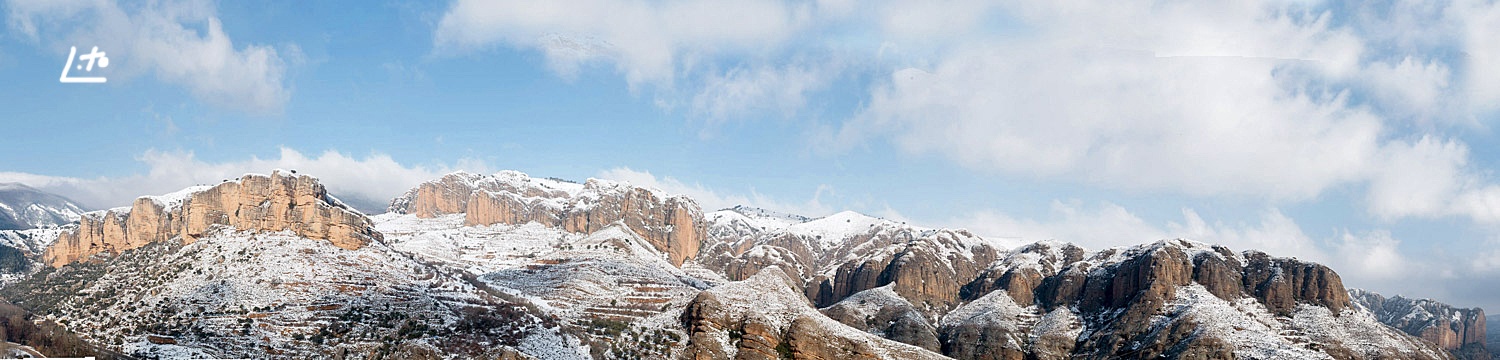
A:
<point x="1458" y="330"/>
<point x="672" y="224"/>
<point x="1282" y="283"/>
<point x="834" y="257"/>
<point x="1132" y="303"/>
<point x="1023" y="270"/>
<point x="762" y="317"/>
<point x="929" y="273"/>
<point x="1058" y="277"/>
<point x="1053" y="300"/>
<point x="880" y="311"/>
<point x="279" y="202"/>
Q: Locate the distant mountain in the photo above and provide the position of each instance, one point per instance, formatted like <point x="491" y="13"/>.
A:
<point x="1460" y="331"/>
<point x="364" y="204"/>
<point x="1492" y="336"/>
<point x="510" y="266"/>
<point x="23" y="207"/>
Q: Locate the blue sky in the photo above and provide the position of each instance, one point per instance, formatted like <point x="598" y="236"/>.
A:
<point x="1357" y="134"/>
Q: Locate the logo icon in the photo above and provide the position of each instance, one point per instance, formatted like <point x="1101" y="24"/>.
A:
<point x="91" y="57"/>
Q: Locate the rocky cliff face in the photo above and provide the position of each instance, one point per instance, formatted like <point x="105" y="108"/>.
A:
<point x="673" y="224"/>
<point x="763" y="317"/>
<point x="279" y="202"/>
<point x="1460" y="331"/>
<point x="953" y="292"/>
<point x="882" y="311"/>
<point x="834" y="257"/>
<point x="1171" y="298"/>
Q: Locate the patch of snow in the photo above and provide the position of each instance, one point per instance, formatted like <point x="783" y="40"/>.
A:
<point x="1245" y="323"/>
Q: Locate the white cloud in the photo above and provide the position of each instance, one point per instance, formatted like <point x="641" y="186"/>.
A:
<point x="1418" y="179"/>
<point x="1102" y="226"/>
<point x="715" y="60"/>
<point x="1411" y="88"/>
<point x="182" y="42"/>
<point x="1372" y="256"/>
<point x="1430" y="178"/>
<point x="1126" y="96"/>
<point x="1203" y="126"/>
<point x="760" y="90"/>
<point x="711" y="200"/>
<point x="1482" y="51"/>
<point x="372" y="180"/>
<point x="1261" y="100"/>
<point x="918" y="20"/>
<point x="648" y="42"/>
<point x="1272" y="100"/>
<point x="1275" y="234"/>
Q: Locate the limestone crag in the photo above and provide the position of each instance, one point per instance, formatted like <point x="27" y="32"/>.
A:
<point x="881" y="311"/>
<point x="1132" y="303"/>
<point x="1460" y="331"/>
<point x="834" y="257"/>
<point x="279" y="202"/>
<point x="763" y="317"/>
<point x="672" y="224"/>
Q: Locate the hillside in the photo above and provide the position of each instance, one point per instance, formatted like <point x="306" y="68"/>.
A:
<point x="506" y="265"/>
<point x="23" y="207"/>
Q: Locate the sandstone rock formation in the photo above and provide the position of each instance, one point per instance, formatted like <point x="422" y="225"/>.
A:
<point x="763" y="317"/>
<point x="673" y="224"/>
<point x="881" y="311"/>
<point x="1460" y="331"/>
<point x="279" y="202"/>
<point x="1053" y="300"/>
<point x="1161" y="300"/>
<point x="842" y="254"/>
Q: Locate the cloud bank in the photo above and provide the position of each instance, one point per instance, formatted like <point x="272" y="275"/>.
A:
<point x="367" y="183"/>
<point x="181" y="42"/>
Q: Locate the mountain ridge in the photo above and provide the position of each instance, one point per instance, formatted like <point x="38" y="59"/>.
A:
<point x="23" y="207"/>
<point x="602" y="270"/>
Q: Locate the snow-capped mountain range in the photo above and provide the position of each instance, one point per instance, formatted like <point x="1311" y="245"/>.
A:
<point x="23" y="207"/>
<point x="510" y="266"/>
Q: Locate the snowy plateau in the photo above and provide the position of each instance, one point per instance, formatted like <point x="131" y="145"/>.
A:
<point x="507" y="266"/>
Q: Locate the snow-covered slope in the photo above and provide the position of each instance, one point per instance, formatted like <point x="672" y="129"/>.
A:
<point x="20" y="251"/>
<point x="238" y="294"/>
<point x="23" y="207"/>
<point x="507" y="265"/>
<point x="765" y="317"/>
<point x="1171" y="298"/>
<point x="836" y="256"/>
<point x="611" y="288"/>
<point x="1460" y="331"/>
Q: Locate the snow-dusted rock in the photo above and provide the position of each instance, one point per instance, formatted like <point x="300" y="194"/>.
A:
<point x="1458" y="330"/>
<point x="296" y="203"/>
<point x="23" y="207"/>
<point x="763" y="317"/>
<point x="673" y="224"/>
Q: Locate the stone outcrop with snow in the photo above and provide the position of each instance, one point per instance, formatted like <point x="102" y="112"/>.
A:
<point x="297" y="203"/>
<point x="608" y="270"/>
<point x="764" y="317"/>
<point x="1458" y="330"/>
<point x="673" y="224"/>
